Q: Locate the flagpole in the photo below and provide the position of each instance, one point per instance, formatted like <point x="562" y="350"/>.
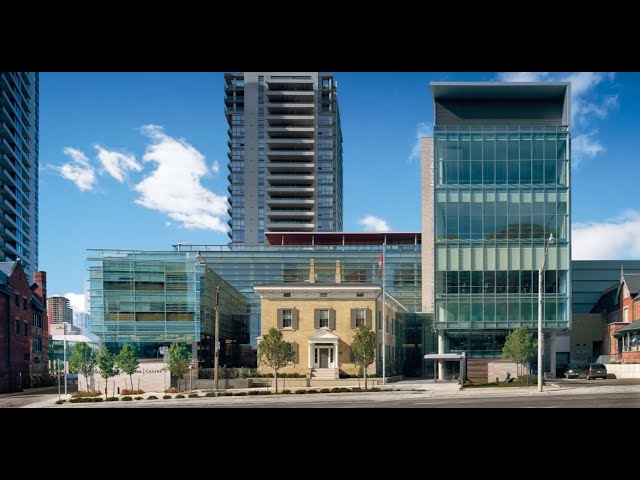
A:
<point x="384" y="315"/>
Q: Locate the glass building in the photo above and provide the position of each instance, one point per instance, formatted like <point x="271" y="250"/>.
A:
<point x="19" y="164"/>
<point x="152" y="299"/>
<point x="499" y="174"/>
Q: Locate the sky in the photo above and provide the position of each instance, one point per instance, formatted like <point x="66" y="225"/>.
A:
<point x="138" y="161"/>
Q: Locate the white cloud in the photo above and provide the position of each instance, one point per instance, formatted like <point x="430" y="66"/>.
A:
<point x="522" y="76"/>
<point x="422" y="130"/>
<point x="78" y="170"/>
<point x="371" y="223"/>
<point x="77" y="301"/>
<point x="588" y="105"/>
<point x="117" y="163"/>
<point x="215" y="168"/>
<point x="174" y="186"/>
<point x="617" y="238"/>
<point x="583" y="146"/>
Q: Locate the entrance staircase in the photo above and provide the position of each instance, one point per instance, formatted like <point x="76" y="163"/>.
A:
<point x="325" y="373"/>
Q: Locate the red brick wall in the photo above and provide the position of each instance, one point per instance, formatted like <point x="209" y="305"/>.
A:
<point x="14" y="370"/>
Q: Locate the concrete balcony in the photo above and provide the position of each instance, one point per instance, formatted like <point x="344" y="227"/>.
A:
<point x="295" y="214"/>
<point x="290" y="108"/>
<point x="291" y="143"/>
<point x="7" y="206"/>
<point x="290" y="132"/>
<point x="290" y="120"/>
<point x="290" y="167"/>
<point x="290" y="202"/>
<point x="290" y="179"/>
<point x="278" y="191"/>
<point x="275" y="155"/>
<point x="290" y="226"/>
<point x="290" y="96"/>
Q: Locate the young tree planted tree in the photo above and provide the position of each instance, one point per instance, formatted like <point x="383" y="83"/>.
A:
<point x="108" y="367"/>
<point x="127" y="361"/>
<point x="83" y="361"/>
<point x="275" y="352"/>
<point x="178" y="363"/>
<point x="364" y="349"/>
<point x="520" y="347"/>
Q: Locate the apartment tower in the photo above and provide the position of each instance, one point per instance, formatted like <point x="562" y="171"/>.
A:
<point x="285" y="154"/>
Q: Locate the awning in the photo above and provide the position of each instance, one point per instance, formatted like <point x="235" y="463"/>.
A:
<point x="633" y="326"/>
<point x="444" y="356"/>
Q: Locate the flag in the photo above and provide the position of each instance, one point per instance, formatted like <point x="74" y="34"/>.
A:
<point x="378" y="272"/>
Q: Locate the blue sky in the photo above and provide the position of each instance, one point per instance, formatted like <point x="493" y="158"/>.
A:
<point x="138" y="160"/>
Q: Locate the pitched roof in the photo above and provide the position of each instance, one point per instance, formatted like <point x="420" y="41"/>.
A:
<point x="7" y="267"/>
<point x="627" y="328"/>
<point x="607" y="300"/>
<point x="633" y="283"/>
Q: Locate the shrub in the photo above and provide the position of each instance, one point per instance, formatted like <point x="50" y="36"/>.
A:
<point x="300" y="392"/>
<point x="313" y="391"/>
<point x="112" y="399"/>
<point x="138" y="398"/>
<point x="240" y="394"/>
<point x="193" y="395"/>
<point x="286" y="392"/>
<point x="167" y="397"/>
<point x="374" y="389"/>
<point x="325" y="390"/>
<point x="60" y="402"/>
<point x="91" y="393"/>
<point x="254" y="392"/>
<point x="172" y="390"/>
<point x="264" y="392"/>
<point x="180" y="396"/>
<point x="344" y="390"/>
<point x="210" y="394"/>
<point x="126" y="399"/>
<point x="152" y="397"/>
<point x="356" y="389"/>
<point x="85" y="399"/>
<point x="335" y="390"/>
<point x="132" y="392"/>
<point x="224" y="394"/>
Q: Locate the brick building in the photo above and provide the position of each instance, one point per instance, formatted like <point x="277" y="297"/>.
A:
<point x="320" y="319"/>
<point x="621" y="335"/>
<point x="23" y="329"/>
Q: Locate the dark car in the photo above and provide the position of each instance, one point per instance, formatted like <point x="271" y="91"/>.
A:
<point x="573" y="371"/>
<point x="595" y="370"/>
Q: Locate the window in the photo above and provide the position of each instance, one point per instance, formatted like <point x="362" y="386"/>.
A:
<point x="360" y="317"/>
<point x="323" y="316"/>
<point x="27" y="357"/>
<point x="26" y="328"/>
<point x="625" y="315"/>
<point x="24" y="303"/>
<point x="360" y="294"/>
<point x="286" y="294"/>
<point x="287" y="318"/>
<point x="324" y="294"/>
<point x="16" y="298"/>
<point x="17" y="327"/>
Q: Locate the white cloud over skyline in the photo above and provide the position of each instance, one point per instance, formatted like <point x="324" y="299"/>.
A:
<point x="78" y="170"/>
<point x="117" y="164"/>
<point x="422" y="130"/>
<point x="371" y="223"/>
<point x="174" y="187"/>
<point x="617" y="238"/>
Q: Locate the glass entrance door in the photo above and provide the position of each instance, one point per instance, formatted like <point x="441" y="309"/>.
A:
<point x="324" y="357"/>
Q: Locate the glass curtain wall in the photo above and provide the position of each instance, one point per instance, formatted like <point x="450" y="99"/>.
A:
<point x="499" y="193"/>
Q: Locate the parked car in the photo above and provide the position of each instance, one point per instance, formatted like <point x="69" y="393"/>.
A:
<point x="595" y="370"/>
<point x="573" y="371"/>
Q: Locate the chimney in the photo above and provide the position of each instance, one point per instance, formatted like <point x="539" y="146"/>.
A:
<point x="41" y="290"/>
<point x="338" y="272"/>
<point x="312" y="272"/>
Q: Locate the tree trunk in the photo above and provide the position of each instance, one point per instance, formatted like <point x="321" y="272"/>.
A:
<point x="86" y="380"/>
<point x="276" y="378"/>
<point x="365" y="377"/>
<point x="131" y="378"/>
<point x="106" y="387"/>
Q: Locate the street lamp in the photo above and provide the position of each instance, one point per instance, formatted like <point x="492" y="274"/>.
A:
<point x="216" y="328"/>
<point x="191" y="365"/>
<point x="551" y="241"/>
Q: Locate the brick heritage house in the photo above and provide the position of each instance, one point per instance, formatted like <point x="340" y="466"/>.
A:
<point x="320" y="320"/>
<point x="24" y="335"/>
<point x="622" y="321"/>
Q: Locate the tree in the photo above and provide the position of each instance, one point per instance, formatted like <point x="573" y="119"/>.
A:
<point x="275" y="352"/>
<point x="83" y="361"/>
<point x="108" y="367"/>
<point x="364" y="349"/>
<point x="127" y="361"/>
<point x="520" y="347"/>
<point x="178" y="363"/>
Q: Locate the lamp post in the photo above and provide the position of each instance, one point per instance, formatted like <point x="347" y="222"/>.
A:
<point x="551" y="241"/>
<point x="216" y="328"/>
<point x="191" y="364"/>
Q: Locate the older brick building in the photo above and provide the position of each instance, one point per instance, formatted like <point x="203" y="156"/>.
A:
<point x="23" y="331"/>
<point x="622" y="319"/>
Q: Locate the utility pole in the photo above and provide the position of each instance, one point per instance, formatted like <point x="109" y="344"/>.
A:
<point x="216" y="339"/>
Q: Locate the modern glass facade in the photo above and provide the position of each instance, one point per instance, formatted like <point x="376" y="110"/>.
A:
<point x="19" y="164"/>
<point x="501" y="188"/>
<point x="152" y="299"/>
